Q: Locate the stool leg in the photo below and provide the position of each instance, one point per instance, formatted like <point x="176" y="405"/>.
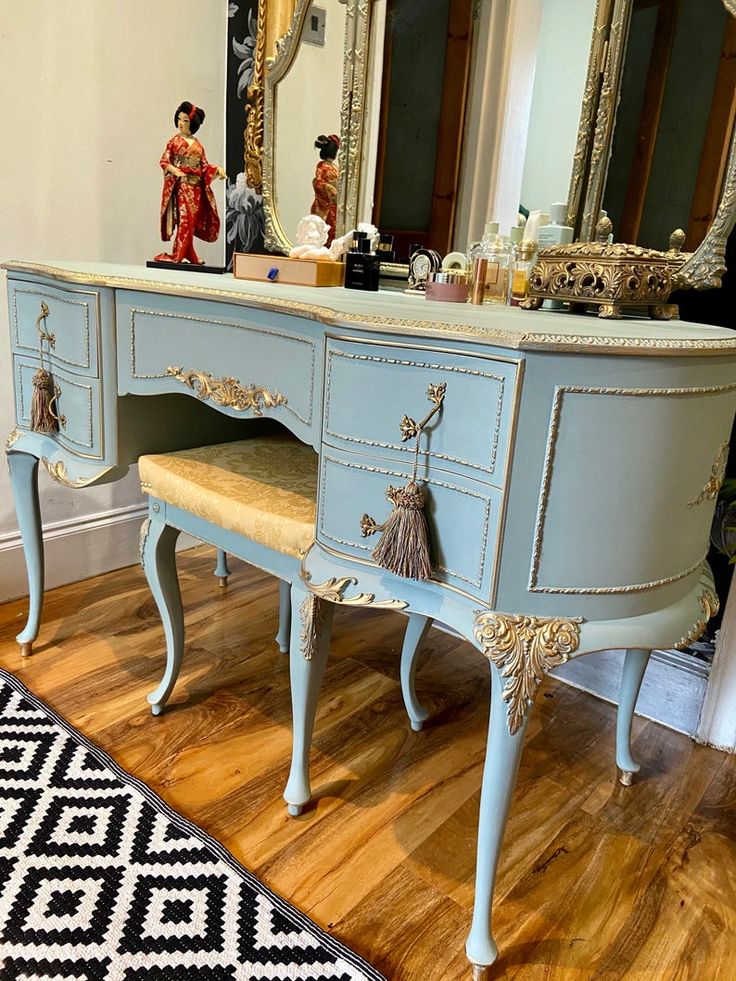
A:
<point x="159" y="564"/>
<point x="503" y="754"/>
<point x="635" y="664"/>
<point x="282" y="637"/>
<point x="416" y="630"/>
<point x="222" y="570"/>
<point x="307" y="662"/>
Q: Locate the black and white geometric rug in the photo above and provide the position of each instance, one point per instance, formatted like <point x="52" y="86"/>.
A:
<point x="99" y="879"/>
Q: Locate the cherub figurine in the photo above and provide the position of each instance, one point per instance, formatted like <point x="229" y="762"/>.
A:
<point x="187" y="202"/>
<point x="311" y="235"/>
<point x="325" y="182"/>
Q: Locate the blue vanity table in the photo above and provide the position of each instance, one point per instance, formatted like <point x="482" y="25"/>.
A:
<point x="571" y="473"/>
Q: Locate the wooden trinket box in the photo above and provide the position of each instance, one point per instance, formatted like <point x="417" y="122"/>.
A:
<point x="282" y="269"/>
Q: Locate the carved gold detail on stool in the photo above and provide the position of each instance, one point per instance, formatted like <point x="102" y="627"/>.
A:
<point x="11" y="439"/>
<point x="717" y="475"/>
<point x="228" y="392"/>
<point x="611" y="277"/>
<point x="524" y="649"/>
<point x="710" y="606"/>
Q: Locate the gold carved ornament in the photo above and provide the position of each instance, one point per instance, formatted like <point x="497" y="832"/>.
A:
<point x="524" y="649"/>
<point x="332" y="591"/>
<point x="253" y="135"/>
<point x="717" y="475"/>
<point x="58" y="472"/>
<point x="228" y="392"/>
<point x="710" y="606"/>
<point x="11" y="439"/>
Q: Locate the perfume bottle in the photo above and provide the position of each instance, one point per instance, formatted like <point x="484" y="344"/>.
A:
<point x="490" y="271"/>
<point x="362" y="267"/>
<point x="385" y="248"/>
<point x="521" y="272"/>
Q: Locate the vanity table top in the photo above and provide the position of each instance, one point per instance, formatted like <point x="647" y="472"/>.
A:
<point x="393" y="312"/>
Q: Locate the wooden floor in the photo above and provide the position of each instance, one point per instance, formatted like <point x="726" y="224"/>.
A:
<point x="597" y="881"/>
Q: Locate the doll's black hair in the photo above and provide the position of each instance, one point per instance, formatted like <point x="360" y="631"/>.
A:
<point x="327" y="147"/>
<point x="195" y="120"/>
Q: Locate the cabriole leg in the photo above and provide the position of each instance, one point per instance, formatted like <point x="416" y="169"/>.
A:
<point x="282" y="637"/>
<point x="311" y="624"/>
<point x="635" y="664"/>
<point x="222" y="570"/>
<point x="416" y="630"/>
<point x="159" y="564"/>
<point x="503" y="754"/>
<point x="24" y="479"/>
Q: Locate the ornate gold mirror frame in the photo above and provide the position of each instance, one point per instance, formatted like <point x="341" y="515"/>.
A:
<point x="275" y="67"/>
<point x="704" y="268"/>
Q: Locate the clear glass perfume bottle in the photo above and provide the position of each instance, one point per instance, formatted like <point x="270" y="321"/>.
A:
<point x="491" y="263"/>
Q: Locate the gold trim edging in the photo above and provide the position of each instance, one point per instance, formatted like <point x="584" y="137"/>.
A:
<point x="589" y="343"/>
<point x="524" y="649"/>
<point x="228" y="392"/>
<point x="549" y="455"/>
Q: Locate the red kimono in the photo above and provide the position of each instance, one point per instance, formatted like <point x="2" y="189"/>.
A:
<point x="187" y="203"/>
<point x="325" y="194"/>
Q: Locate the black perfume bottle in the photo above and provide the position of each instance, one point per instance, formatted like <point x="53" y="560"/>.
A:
<point x="362" y="267"/>
<point x="385" y="248"/>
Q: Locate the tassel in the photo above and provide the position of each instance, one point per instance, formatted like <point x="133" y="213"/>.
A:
<point x="404" y="545"/>
<point x="43" y="419"/>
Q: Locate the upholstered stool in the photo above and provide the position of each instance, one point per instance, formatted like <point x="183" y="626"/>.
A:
<point x="255" y="498"/>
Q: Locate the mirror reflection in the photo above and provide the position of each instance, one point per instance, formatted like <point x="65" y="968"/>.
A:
<point x="674" y="122"/>
<point x="307" y="103"/>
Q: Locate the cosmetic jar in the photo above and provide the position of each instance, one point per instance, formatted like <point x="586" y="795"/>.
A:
<point x="451" y="286"/>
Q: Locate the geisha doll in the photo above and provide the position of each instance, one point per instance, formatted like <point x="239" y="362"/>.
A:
<point x="187" y="203"/>
<point x="325" y="183"/>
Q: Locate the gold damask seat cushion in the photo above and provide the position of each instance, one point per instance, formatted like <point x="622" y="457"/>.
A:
<point x="263" y="488"/>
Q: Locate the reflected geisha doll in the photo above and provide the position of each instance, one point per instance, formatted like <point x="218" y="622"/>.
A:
<point x="187" y="203"/>
<point x="325" y="182"/>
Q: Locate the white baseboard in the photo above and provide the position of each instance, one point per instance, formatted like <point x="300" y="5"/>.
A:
<point x="78" y="548"/>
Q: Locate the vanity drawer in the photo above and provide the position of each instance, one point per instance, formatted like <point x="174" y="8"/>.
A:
<point x="70" y="323"/>
<point x="239" y="360"/>
<point x="78" y="404"/>
<point x="370" y="387"/>
<point x="463" y="517"/>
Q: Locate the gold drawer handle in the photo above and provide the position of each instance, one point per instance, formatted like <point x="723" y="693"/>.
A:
<point x="42" y="333"/>
<point x="61" y="419"/>
<point x="409" y="428"/>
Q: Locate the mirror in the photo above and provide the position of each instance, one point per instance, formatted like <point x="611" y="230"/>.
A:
<point x="312" y="89"/>
<point x="592" y="123"/>
<point x="662" y="153"/>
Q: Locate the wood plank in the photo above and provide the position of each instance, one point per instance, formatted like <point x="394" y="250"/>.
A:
<point x="596" y="881"/>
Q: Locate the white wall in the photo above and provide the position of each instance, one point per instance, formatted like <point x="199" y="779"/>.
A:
<point x="88" y="94"/>
<point x="559" y="80"/>
<point x="309" y="101"/>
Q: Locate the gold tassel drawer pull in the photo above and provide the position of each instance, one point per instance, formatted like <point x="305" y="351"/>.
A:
<point x="404" y="545"/>
<point x="43" y="334"/>
<point x="44" y="419"/>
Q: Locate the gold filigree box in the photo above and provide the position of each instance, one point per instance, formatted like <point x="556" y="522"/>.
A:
<point x="611" y="277"/>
